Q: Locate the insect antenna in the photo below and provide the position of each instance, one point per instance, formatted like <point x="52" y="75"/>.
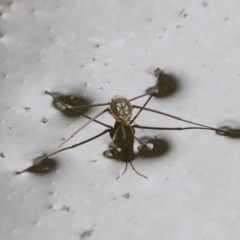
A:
<point x="123" y="171"/>
<point x="137" y="171"/>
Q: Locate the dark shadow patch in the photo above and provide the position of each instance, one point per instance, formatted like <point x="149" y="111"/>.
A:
<point x="65" y="208"/>
<point x="113" y="152"/>
<point x="123" y="150"/>
<point x="45" y="166"/>
<point x="126" y="195"/>
<point x="231" y="132"/>
<point x="71" y="101"/>
<point x="155" y="147"/>
<point x="86" y="234"/>
<point x="167" y="84"/>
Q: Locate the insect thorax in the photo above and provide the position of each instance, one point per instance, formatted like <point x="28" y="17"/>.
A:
<point x="121" y="109"/>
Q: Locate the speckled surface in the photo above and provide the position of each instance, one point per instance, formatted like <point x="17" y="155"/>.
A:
<point x="97" y="49"/>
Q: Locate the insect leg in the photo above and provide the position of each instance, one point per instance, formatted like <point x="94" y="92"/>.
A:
<point x="166" y="128"/>
<point x="142" y="108"/>
<point x="73" y="146"/>
<point x="115" y="134"/>
<point x="78" y="130"/>
<point x="73" y="110"/>
<point x="153" y="90"/>
<point x="81" y="143"/>
<point x="131" y="127"/>
<point x="74" y="134"/>
<point x="92" y="105"/>
<point x="143" y="95"/>
<point x="123" y="131"/>
<point x="183" y="120"/>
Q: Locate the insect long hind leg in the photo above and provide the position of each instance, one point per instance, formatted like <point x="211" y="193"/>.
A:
<point x="170" y="128"/>
<point x="73" y="146"/>
<point x="78" y="130"/>
<point x="81" y="143"/>
<point x="74" y="134"/>
<point x="178" y="118"/>
<point x="75" y="111"/>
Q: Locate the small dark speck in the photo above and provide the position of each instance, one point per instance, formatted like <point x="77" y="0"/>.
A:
<point x="106" y="64"/>
<point x="100" y="88"/>
<point x="166" y="178"/>
<point x="97" y="46"/>
<point x="44" y="120"/>
<point x="127" y="195"/>
<point x="65" y="208"/>
<point x="178" y="26"/>
<point x="2" y="155"/>
<point x="226" y="18"/>
<point x="183" y="13"/>
<point x="10" y="128"/>
<point x="94" y="59"/>
<point x="86" y="234"/>
<point x="27" y="108"/>
<point x="205" y="4"/>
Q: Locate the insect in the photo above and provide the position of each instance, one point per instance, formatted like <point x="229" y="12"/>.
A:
<point x="123" y="132"/>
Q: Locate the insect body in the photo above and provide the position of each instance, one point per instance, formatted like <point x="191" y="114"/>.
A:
<point x="121" y="109"/>
<point x="123" y="133"/>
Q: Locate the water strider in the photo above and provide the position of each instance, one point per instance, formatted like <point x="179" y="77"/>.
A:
<point x="123" y="132"/>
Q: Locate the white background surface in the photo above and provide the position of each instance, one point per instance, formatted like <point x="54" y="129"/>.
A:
<point x="192" y="191"/>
